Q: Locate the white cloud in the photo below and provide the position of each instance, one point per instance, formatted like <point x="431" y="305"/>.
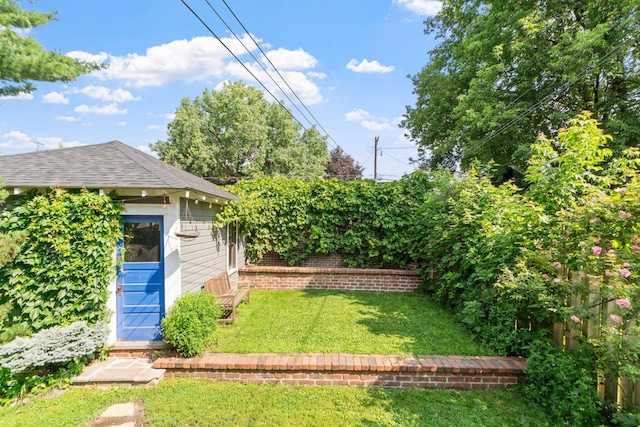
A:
<point x="88" y="57"/>
<point x="169" y="116"/>
<point x="22" y="142"/>
<point x="367" y="120"/>
<point x="306" y="89"/>
<point x="54" y="142"/>
<point x="156" y="127"/>
<point x="366" y="66"/>
<point x="357" y="115"/>
<point x="15" y="139"/>
<point x="19" y="97"/>
<point x="291" y="59"/>
<point x="316" y="75"/>
<point x="55" y="98"/>
<point x="68" y="118"/>
<point x="373" y="125"/>
<point x="122" y="123"/>
<point x="421" y="7"/>
<point x="105" y="94"/>
<point x="108" y="109"/>
<point x="188" y="60"/>
<point x="203" y="59"/>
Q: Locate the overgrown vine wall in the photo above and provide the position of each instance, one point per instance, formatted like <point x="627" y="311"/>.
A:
<point x="61" y="271"/>
<point x="365" y="222"/>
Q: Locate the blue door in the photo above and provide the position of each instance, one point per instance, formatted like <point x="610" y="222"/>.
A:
<point x="140" y="283"/>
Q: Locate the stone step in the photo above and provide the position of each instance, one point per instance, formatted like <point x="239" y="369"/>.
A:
<point x="119" y="371"/>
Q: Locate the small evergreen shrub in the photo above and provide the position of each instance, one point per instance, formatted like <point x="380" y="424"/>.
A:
<point x="191" y="323"/>
<point x="53" y="346"/>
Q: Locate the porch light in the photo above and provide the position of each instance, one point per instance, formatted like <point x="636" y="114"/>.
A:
<point x="101" y="191"/>
<point x="144" y="193"/>
<point x="186" y="194"/>
<point x="17" y="191"/>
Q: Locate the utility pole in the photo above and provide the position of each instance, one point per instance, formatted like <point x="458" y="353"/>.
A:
<point x="375" y="159"/>
<point x="38" y="144"/>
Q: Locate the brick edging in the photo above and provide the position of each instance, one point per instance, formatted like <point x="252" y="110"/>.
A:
<point x="394" y="371"/>
<point x="329" y="278"/>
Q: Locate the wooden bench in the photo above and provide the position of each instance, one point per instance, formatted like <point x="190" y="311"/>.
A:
<point x="229" y="298"/>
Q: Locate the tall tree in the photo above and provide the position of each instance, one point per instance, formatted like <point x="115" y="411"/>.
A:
<point x="23" y="60"/>
<point x="235" y="133"/>
<point x="506" y="72"/>
<point x="343" y="166"/>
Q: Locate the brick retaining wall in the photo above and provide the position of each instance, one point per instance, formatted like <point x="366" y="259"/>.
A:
<point x="349" y="279"/>
<point x="395" y="371"/>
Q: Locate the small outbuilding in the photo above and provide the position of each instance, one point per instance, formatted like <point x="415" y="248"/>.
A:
<point x="172" y="245"/>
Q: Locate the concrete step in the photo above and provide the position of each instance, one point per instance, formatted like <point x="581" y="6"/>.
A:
<point x="119" y="371"/>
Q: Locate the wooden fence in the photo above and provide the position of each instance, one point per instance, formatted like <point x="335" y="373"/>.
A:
<point x="565" y="335"/>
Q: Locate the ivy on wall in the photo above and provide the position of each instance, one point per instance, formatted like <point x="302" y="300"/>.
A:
<point x="364" y="221"/>
<point x="61" y="271"/>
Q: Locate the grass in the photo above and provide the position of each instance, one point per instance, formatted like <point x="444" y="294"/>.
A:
<point x="344" y="322"/>
<point x="178" y="402"/>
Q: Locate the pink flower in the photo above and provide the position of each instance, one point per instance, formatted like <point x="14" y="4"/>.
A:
<point x="593" y="220"/>
<point x="524" y="249"/>
<point x="545" y="277"/>
<point x="626" y="264"/>
<point x="596" y="250"/>
<point x="557" y="280"/>
<point x="623" y="303"/>
<point x="575" y="319"/>
<point x="607" y="273"/>
<point x="611" y="251"/>
<point x="624" y="215"/>
<point x="581" y="244"/>
<point x="624" y="273"/>
<point x="555" y="240"/>
<point x="616" y="319"/>
<point x="635" y="248"/>
<point x="557" y="265"/>
<point x="621" y="190"/>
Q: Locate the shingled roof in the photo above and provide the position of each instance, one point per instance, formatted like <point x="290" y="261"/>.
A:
<point x="111" y="165"/>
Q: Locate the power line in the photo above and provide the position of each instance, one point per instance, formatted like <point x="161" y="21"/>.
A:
<point x="252" y="74"/>
<point x="256" y="59"/>
<point x="241" y="63"/>
<point x="545" y="99"/>
<point x="278" y="72"/>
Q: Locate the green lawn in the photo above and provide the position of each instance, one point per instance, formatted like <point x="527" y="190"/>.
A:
<point x="182" y="402"/>
<point x="344" y="322"/>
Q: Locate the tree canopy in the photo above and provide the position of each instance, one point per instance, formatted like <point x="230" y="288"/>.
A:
<point x="506" y="72"/>
<point x="342" y="165"/>
<point x="235" y="133"/>
<point x="23" y="60"/>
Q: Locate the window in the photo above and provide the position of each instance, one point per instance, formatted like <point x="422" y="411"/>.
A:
<point x="232" y="245"/>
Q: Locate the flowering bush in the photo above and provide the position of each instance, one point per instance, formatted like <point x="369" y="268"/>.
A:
<point x="592" y="252"/>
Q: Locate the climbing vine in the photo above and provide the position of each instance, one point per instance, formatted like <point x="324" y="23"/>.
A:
<point x="61" y="270"/>
<point x="362" y="220"/>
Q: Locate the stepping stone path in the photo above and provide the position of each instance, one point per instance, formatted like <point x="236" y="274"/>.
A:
<point x="121" y="415"/>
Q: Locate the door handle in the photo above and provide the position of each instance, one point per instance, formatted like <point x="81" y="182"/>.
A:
<point x="120" y="290"/>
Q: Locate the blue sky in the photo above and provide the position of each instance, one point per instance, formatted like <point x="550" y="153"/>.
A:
<point x="347" y="60"/>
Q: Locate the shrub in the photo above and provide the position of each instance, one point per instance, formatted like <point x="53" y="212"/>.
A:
<point x="53" y="346"/>
<point x="191" y="323"/>
<point x="49" y="358"/>
<point x="564" y="383"/>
